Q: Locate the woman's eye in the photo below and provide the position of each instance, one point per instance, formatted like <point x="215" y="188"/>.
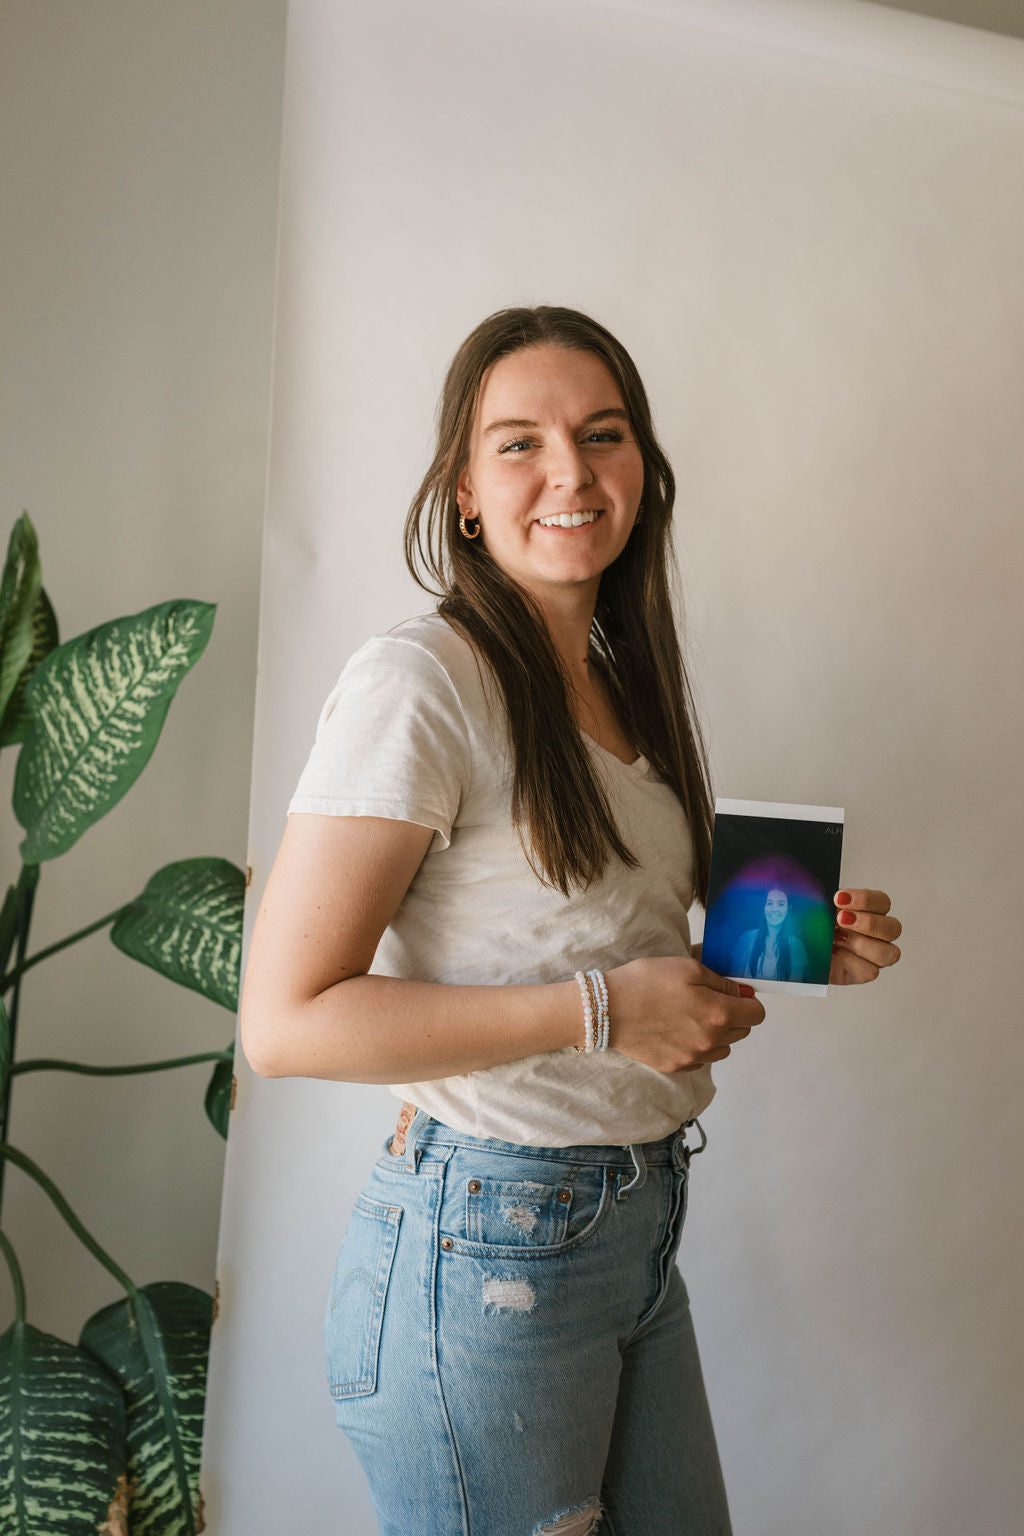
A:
<point x="604" y="434"/>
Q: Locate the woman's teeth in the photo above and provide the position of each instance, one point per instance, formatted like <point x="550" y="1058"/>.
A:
<point x="568" y="519"/>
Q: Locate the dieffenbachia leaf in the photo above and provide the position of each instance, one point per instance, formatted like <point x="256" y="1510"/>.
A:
<point x="20" y="585"/>
<point x="187" y="924"/>
<point x="15" y="720"/>
<point x="218" y="1094"/>
<point x="97" y="705"/>
<point x="156" y="1342"/>
<point x="63" y="1456"/>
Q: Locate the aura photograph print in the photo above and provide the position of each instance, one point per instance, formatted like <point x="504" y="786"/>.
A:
<point x="770" y="913"/>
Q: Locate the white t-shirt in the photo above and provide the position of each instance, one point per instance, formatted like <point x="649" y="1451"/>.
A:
<point x="414" y="730"/>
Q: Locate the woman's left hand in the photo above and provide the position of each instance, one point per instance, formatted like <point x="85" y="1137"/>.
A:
<point x="863" y="939"/>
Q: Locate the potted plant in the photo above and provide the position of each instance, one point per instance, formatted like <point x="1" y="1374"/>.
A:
<point x="103" y="1434"/>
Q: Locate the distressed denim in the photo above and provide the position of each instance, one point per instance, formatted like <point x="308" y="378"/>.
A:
<point x="509" y="1346"/>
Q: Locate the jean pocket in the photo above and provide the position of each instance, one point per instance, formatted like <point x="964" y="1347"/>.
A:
<point x="355" y="1307"/>
<point x="517" y="1211"/>
<point x="550" y="1208"/>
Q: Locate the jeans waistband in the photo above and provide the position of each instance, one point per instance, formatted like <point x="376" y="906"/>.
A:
<point x="673" y="1150"/>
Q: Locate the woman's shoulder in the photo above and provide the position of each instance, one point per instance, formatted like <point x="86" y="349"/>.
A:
<point x="430" y="632"/>
<point x="428" y="650"/>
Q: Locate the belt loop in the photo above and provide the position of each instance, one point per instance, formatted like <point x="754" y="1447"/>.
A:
<point x="640" y="1164"/>
<point x="412" y="1153"/>
<point x="681" y="1153"/>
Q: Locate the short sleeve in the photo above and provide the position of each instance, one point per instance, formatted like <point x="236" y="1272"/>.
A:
<point x="391" y="741"/>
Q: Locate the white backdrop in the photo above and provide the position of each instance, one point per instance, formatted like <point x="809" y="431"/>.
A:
<point x="805" y="222"/>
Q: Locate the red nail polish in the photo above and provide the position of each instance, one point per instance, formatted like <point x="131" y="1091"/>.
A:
<point x="843" y="899"/>
<point x="745" y="991"/>
<point x="848" y="917"/>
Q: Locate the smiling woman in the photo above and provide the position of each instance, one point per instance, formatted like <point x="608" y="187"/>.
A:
<point x="481" y="899"/>
<point x="544" y="416"/>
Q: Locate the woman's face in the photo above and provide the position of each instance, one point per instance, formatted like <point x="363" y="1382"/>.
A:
<point x="775" y="908"/>
<point x="551" y="437"/>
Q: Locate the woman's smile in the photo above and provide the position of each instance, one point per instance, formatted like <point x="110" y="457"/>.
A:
<point x="570" y="521"/>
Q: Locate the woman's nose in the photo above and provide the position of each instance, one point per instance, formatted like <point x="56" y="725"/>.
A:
<point x="568" y="466"/>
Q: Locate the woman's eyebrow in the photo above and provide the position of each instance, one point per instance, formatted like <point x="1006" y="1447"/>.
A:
<point x="612" y="410"/>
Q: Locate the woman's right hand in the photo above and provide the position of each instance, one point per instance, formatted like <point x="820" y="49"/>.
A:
<point x="673" y="1014"/>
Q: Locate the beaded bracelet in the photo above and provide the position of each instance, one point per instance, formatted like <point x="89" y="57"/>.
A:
<point x="594" y="996"/>
<point x="602" y="1010"/>
<point x="588" y="1014"/>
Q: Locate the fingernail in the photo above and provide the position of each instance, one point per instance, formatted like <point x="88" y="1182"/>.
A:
<point x="847" y="918"/>
<point x="843" y="899"/>
<point x="745" y="991"/>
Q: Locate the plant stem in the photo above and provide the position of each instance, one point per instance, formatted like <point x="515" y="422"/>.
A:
<point x="49" y="1063"/>
<point x="16" y="1279"/>
<point x="19" y="1159"/>
<point x="51" y="949"/>
<point x="27" y="882"/>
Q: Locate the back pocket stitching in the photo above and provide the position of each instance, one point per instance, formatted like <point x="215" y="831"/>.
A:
<point x="390" y="1217"/>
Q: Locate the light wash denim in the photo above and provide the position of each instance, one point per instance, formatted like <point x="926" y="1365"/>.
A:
<point x="509" y="1345"/>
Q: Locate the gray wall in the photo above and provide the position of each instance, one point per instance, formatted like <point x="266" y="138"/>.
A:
<point x="140" y="152"/>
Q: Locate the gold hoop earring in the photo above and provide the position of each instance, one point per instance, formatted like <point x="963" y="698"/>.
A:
<point x="462" y="525"/>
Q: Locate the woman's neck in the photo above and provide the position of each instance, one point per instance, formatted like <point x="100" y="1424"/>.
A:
<point x="569" y="616"/>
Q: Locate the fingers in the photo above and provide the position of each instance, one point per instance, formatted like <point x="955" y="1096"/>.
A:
<point x="719" y="1054"/>
<point x="723" y="1004"/>
<point x="849" y="969"/>
<point x="877" y="951"/>
<point x="867" y="912"/>
<point x="862" y="901"/>
<point x="887" y="928"/>
<point x="716" y="983"/>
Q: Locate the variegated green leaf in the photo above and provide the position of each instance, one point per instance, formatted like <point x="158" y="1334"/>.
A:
<point x="19" y="587"/>
<point x="97" y="705"/>
<point x="156" y="1342"/>
<point x="14" y="722"/>
<point x="218" y="1094"/>
<point x="187" y="924"/>
<point x="63" y="1455"/>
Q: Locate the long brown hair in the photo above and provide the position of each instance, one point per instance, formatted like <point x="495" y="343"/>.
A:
<point x="567" y="838"/>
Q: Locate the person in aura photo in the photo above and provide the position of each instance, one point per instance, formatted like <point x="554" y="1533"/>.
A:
<point x="481" y="899"/>
<point x="773" y="950"/>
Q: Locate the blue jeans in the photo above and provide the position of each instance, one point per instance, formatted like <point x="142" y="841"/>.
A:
<point x="509" y="1345"/>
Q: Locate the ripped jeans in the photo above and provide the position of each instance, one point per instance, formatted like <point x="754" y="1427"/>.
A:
<point x="509" y="1346"/>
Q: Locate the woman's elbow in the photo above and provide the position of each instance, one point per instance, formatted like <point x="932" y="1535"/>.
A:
<point x="257" y="1049"/>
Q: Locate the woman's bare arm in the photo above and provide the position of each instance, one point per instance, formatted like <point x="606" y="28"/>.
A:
<point x="309" y="1008"/>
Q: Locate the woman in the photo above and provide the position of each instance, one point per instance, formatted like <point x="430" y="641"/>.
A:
<point x="771" y="951"/>
<point x="481" y="900"/>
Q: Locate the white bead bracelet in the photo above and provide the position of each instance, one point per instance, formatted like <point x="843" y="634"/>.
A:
<point x="601" y="992"/>
<point x="594" y="996"/>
